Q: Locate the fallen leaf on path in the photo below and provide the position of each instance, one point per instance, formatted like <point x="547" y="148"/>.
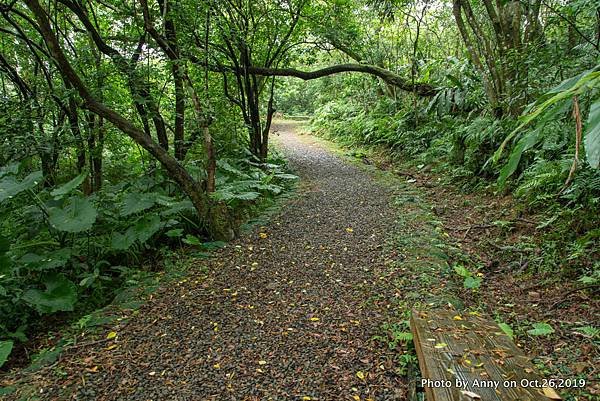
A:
<point x="111" y="335"/>
<point x="350" y="229"/>
<point x="314" y="319"/>
<point x="263" y="235"/>
<point x="550" y="393"/>
<point x="361" y="375"/>
<point x="471" y="394"/>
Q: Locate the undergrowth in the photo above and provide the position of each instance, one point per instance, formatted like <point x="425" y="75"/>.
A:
<point x="64" y="253"/>
<point x="460" y="149"/>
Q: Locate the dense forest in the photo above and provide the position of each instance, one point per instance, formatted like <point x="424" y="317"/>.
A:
<point x="129" y="129"/>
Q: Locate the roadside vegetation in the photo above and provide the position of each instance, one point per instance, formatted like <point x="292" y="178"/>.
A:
<point x="515" y="110"/>
<point x="132" y="129"/>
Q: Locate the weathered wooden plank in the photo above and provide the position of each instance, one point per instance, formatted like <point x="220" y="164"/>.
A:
<point x="463" y="353"/>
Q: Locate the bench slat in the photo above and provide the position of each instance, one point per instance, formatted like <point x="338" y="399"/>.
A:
<point x="469" y="347"/>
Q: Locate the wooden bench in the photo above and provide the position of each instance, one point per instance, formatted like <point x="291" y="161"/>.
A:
<point x="473" y="352"/>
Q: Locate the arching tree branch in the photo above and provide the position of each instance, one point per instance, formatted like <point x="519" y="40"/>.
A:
<point x="388" y="76"/>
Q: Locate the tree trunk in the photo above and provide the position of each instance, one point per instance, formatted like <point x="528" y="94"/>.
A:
<point x="176" y="70"/>
<point x="174" y="170"/>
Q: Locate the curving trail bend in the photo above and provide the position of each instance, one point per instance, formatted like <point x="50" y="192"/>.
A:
<point x="286" y="315"/>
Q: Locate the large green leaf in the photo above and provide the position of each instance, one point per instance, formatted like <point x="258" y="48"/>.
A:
<point x="49" y="261"/>
<point x="146" y="228"/>
<point x="5" y="349"/>
<point x="565" y="91"/>
<point x="525" y="143"/>
<point x="284" y="176"/>
<point x="136" y="202"/>
<point x="121" y="242"/>
<point x="224" y="165"/>
<point x="541" y="329"/>
<point x="10" y="169"/>
<point x="592" y="135"/>
<point x="76" y="216"/>
<point x="507" y="330"/>
<point x="60" y="295"/>
<point x="178" y="207"/>
<point x="462" y="271"/>
<point x="141" y="231"/>
<point x="10" y="186"/>
<point x="69" y="186"/>
<point x="472" y="283"/>
<point x="224" y="195"/>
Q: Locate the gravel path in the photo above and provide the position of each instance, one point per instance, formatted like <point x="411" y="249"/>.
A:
<point x="287" y="312"/>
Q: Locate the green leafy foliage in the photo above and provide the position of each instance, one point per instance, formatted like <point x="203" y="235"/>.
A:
<point x="470" y="282"/>
<point x="395" y="334"/>
<point x="70" y="186"/>
<point x="79" y="214"/>
<point x="72" y="252"/>
<point x="589" y="331"/>
<point x="244" y="181"/>
<point x="540" y="329"/>
<point x="532" y="157"/>
<point x="60" y="295"/>
<point x="5" y="350"/>
<point x="10" y="186"/>
<point x="592" y="135"/>
<point x="135" y="202"/>
<point x="507" y="330"/>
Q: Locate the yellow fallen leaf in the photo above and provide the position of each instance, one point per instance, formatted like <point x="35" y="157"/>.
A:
<point x="111" y="335"/>
<point x="361" y="375"/>
<point x="262" y="362"/>
<point x="217" y="366"/>
<point x="550" y="393"/>
<point x="263" y="235"/>
<point x="350" y="229"/>
<point x="306" y="398"/>
<point x="441" y="345"/>
<point x="457" y="317"/>
<point x="92" y="370"/>
<point x="314" y="319"/>
<point x="356" y="397"/>
<point x="111" y="347"/>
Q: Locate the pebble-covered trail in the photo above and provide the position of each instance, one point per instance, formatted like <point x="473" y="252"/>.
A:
<point x="286" y="312"/>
